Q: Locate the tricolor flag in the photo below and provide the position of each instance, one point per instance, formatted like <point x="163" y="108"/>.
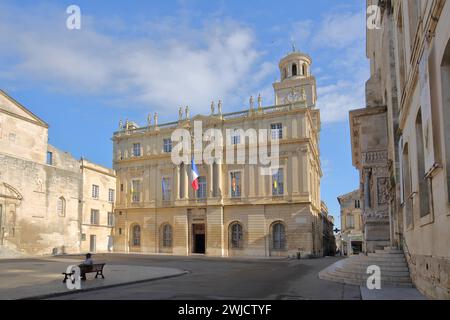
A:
<point x="195" y="175"/>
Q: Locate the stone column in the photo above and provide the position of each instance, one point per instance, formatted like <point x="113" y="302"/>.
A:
<point x="367" y="200"/>
<point x="219" y="180"/>
<point x="177" y="182"/>
<point x="210" y="181"/>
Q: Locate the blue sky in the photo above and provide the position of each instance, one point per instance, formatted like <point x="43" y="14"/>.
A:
<point x="131" y="58"/>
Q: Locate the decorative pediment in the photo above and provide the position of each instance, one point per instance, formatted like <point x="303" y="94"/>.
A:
<point x="13" y="108"/>
<point x="8" y="191"/>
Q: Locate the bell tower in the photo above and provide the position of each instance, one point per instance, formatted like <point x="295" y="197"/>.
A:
<point x="297" y="83"/>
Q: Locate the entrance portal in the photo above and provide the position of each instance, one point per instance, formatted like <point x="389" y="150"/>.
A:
<point x="198" y="234"/>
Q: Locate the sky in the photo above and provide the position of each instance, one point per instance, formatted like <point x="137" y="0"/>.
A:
<point x="131" y="58"/>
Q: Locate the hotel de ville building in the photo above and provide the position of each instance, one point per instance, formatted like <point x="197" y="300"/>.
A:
<point x="236" y="210"/>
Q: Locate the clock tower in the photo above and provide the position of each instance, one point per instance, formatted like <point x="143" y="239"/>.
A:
<point x="297" y="84"/>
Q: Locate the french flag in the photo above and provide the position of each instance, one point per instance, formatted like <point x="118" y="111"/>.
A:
<point x="195" y="175"/>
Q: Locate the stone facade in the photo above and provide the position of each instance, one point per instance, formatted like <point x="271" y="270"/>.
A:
<point x="40" y="186"/>
<point x="351" y="232"/>
<point x="410" y="80"/>
<point x="98" y="196"/>
<point x="369" y="145"/>
<point x="238" y="211"/>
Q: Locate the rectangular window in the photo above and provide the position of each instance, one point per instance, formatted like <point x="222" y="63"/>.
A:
<point x="236" y="137"/>
<point x="121" y="187"/>
<point x="120" y="231"/>
<point x="166" y="189"/>
<point x="357" y="204"/>
<point x="350" y="221"/>
<point x="136" y="191"/>
<point x="201" y="192"/>
<point x="95" y="217"/>
<point x="95" y="191"/>
<point x="167" y="145"/>
<point x="278" y="183"/>
<point x="111" y="195"/>
<point x="49" y="158"/>
<point x="277" y="131"/>
<point x="110" y="219"/>
<point x="235" y="179"/>
<point x="136" y="149"/>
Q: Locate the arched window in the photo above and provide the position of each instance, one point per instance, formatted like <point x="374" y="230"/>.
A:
<point x="285" y="73"/>
<point x="445" y="85"/>
<point x="136" y="235"/>
<point x="304" y="70"/>
<point x="278" y="236"/>
<point x="236" y="235"/>
<point x="294" y="70"/>
<point x="167" y="236"/>
<point x="406" y="174"/>
<point x="423" y="182"/>
<point x="61" y="207"/>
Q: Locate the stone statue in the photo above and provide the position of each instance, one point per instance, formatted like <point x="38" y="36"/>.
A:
<point x="120" y="124"/>
<point x="303" y="96"/>
<point x="212" y="107"/>
<point x="259" y="101"/>
<point x="219" y="107"/>
<point x="156" y="119"/>
<point x="180" y="113"/>
<point x="187" y="113"/>
<point x="149" y="120"/>
<point x="252" y="102"/>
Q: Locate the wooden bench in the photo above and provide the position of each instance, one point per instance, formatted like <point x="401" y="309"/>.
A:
<point x="97" y="268"/>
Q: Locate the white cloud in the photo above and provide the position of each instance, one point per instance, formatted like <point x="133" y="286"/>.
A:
<point x="178" y="64"/>
<point x="340" y="29"/>
<point x="339" y="39"/>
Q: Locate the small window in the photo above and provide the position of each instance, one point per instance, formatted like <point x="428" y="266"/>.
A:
<point x="61" y="207"/>
<point x="236" y="137"/>
<point x="357" y="204"/>
<point x="95" y="217"/>
<point x="95" y="191"/>
<point x="235" y="178"/>
<point x="120" y="231"/>
<point x="111" y="195"/>
<point x="278" y="182"/>
<point x="350" y="221"/>
<point x="136" y="235"/>
<point x="294" y="70"/>
<point x="110" y="219"/>
<point x="49" y="158"/>
<point x="277" y="131"/>
<point x="167" y="145"/>
<point x="201" y="192"/>
<point x="166" y="189"/>
<point x="121" y="187"/>
<point x="136" y="149"/>
<point x="278" y="236"/>
<point x="167" y="236"/>
<point x="236" y="235"/>
<point x="136" y="191"/>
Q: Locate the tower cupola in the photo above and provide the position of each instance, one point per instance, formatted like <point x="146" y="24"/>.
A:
<point x="297" y="84"/>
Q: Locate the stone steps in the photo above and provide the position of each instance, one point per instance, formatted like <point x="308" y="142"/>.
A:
<point x="384" y="276"/>
<point x="386" y="271"/>
<point x="358" y="282"/>
<point x="353" y="270"/>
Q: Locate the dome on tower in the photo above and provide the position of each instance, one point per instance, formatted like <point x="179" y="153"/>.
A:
<point x="295" y="64"/>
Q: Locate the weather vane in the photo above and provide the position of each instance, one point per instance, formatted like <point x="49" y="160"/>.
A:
<point x="293" y="45"/>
